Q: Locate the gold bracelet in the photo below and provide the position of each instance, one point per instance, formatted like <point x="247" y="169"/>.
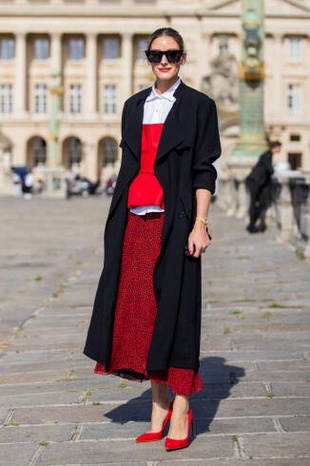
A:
<point x="203" y="220"/>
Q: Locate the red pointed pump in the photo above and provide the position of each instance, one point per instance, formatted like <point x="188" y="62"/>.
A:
<point x="152" y="436"/>
<point x="172" y="444"/>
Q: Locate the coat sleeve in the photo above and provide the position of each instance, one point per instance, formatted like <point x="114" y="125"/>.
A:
<point x="207" y="147"/>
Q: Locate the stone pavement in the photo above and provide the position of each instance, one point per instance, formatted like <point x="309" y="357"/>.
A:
<point x="254" y="409"/>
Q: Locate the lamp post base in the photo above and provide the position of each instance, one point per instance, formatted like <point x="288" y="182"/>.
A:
<point x="54" y="183"/>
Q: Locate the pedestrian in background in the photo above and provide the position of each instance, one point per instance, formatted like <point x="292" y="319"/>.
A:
<point x="28" y="185"/>
<point x="258" y="184"/>
<point x="147" y="311"/>
<point x="17" y="184"/>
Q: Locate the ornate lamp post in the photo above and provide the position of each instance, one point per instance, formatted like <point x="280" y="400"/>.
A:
<point x="251" y="141"/>
<point x="54" y="120"/>
<point x="54" y="183"/>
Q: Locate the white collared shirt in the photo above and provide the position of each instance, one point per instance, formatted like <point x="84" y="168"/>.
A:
<point x="157" y="106"/>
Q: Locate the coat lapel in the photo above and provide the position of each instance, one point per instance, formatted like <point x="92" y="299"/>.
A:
<point x="173" y="133"/>
<point x="133" y="128"/>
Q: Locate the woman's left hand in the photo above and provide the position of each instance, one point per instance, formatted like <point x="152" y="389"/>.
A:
<point x="198" y="240"/>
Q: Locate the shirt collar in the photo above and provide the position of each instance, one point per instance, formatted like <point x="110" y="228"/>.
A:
<point x="166" y="95"/>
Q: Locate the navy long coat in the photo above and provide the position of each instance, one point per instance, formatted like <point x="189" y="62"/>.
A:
<point x="188" y="147"/>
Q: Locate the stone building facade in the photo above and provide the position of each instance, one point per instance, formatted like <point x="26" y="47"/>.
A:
<point x="95" y="49"/>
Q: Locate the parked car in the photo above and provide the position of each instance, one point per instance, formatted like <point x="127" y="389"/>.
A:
<point x="84" y="187"/>
<point x="110" y="185"/>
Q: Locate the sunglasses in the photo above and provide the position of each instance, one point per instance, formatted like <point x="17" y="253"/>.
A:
<point x="155" y="56"/>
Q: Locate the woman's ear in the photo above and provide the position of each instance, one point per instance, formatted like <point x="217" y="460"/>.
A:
<point x="183" y="59"/>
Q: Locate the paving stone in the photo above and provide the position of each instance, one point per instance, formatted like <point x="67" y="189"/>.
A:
<point x="38" y="399"/>
<point x="112" y="430"/>
<point x="291" y="366"/>
<point x="35" y="434"/>
<point x="233" y="426"/>
<point x="286" y="445"/>
<point x="71" y="362"/>
<point x="50" y="387"/>
<point x="62" y="342"/>
<point x="39" y="376"/>
<point x="295" y="423"/>
<point x="35" y="356"/>
<point x="17" y="454"/>
<point x="280" y="376"/>
<point x="251" y="355"/>
<point x="290" y="389"/>
<point x="253" y="407"/>
<point x="3" y="415"/>
<point x="88" y="452"/>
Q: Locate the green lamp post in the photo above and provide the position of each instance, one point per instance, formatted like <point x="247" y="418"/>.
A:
<point x="54" y="109"/>
<point x="251" y="140"/>
<point x="54" y="173"/>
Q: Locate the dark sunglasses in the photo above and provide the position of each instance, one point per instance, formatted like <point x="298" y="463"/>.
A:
<point x="155" y="56"/>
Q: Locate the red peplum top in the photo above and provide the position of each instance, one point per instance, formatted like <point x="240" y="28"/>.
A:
<point x="145" y="188"/>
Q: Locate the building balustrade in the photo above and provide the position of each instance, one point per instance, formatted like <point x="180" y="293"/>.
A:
<point x="289" y="212"/>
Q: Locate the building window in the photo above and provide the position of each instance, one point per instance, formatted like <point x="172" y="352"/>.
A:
<point x="295" y="49"/>
<point x="141" y="46"/>
<point x="41" y="49"/>
<point x="73" y="150"/>
<point x="295" y="161"/>
<point x="38" y="149"/>
<point x="109" y="152"/>
<point x="109" y="99"/>
<point x="76" y="49"/>
<point x="223" y="44"/>
<point x="75" y="98"/>
<point x="7" y="48"/>
<point x="111" y="48"/>
<point x="6" y="98"/>
<point x="295" y="137"/>
<point x="294" y="100"/>
<point x="40" y="98"/>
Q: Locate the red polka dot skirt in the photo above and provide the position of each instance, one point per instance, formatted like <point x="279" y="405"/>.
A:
<point x="135" y="310"/>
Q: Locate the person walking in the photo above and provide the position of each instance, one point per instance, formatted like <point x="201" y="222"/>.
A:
<point x="28" y="185"/>
<point x="146" y="317"/>
<point x="258" y="187"/>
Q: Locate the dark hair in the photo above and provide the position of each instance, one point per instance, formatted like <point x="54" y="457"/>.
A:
<point x="273" y="144"/>
<point x="166" y="32"/>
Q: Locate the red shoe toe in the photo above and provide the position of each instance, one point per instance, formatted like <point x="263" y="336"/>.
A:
<point x="149" y="437"/>
<point x="152" y="436"/>
<point x="172" y="444"/>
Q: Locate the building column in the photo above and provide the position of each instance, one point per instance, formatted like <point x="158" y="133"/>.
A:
<point x="277" y="77"/>
<point x="90" y="162"/>
<point x="91" y="82"/>
<point x="127" y="65"/>
<point x="56" y="64"/>
<point x="205" y="52"/>
<point x="20" y="76"/>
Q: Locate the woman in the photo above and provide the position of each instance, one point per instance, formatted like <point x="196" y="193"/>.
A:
<point x="147" y="310"/>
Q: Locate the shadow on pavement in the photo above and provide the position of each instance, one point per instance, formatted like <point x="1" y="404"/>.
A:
<point x="218" y="380"/>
